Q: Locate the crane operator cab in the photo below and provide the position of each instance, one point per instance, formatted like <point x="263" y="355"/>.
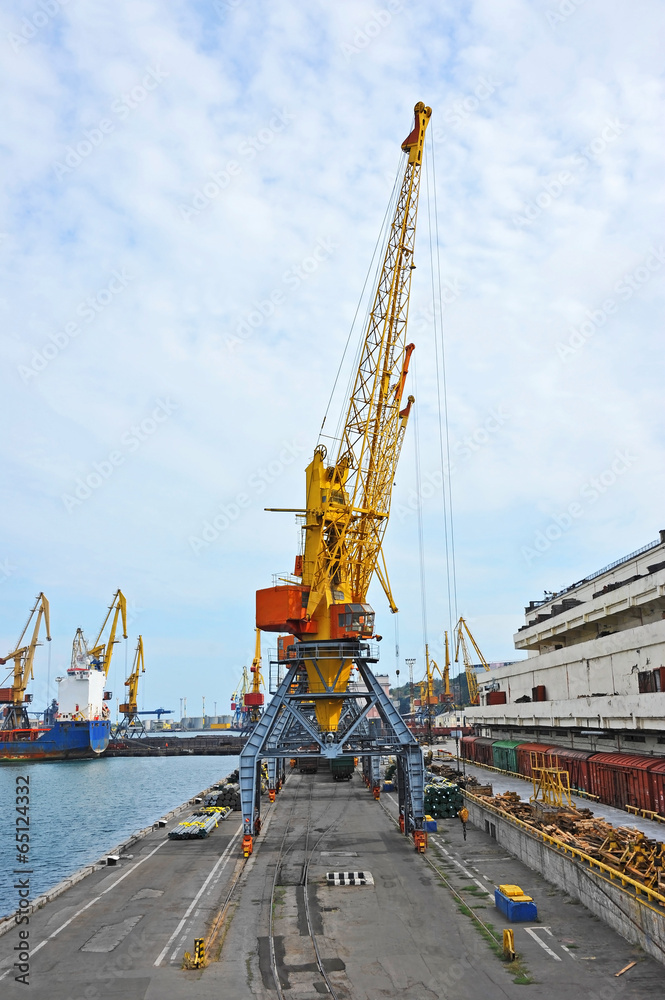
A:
<point x="351" y="621"/>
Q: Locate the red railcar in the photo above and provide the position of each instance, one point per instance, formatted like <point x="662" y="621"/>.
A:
<point x="466" y="746"/>
<point x="482" y="750"/>
<point x="524" y="751"/>
<point x="657" y="782"/>
<point x="621" y="779"/>
<point x="575" y="762"/>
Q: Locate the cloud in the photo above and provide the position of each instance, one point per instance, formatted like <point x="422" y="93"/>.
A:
<point x="517" y="102"/>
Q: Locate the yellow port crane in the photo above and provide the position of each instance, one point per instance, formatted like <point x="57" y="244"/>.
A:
<point x="131" y="721"/>
<point x="102" y="651"/>
<point x="460" y="643"/>
<point x="23" y="657"/>
<point x="348" y="499"/>
<point x="253" y="700"/>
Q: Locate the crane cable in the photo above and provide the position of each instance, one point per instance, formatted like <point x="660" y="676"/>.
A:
<point x="442" y="392"/>
<point x="371" y="269"/>
<point x="419" y="512"/>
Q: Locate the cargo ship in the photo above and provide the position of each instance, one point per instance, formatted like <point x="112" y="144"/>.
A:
<point x="81" y="726"/>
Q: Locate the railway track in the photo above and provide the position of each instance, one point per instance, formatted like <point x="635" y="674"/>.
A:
<point x="299" y="842"/>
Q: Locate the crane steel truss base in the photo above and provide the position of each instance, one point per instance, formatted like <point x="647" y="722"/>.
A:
<point x="288" y="728"/>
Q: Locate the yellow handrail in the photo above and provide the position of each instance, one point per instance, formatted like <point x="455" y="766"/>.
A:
<point x="614" y="873"/>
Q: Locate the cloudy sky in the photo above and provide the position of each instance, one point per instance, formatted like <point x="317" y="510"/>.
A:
<point x="191" y="195"/>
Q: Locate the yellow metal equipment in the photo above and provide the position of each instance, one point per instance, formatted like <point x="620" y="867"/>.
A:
<point x="460" y="643"/>
<point x="348" y="500"/>
<point x="23" y="657"/>
<point x="551" y="783"/>
<point x="130" y="708"/>
<point x="253" y="700"/>
<point x="102" y="651"/>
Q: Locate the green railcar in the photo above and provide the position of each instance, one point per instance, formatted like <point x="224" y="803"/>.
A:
<point x="504" y="754"/>
<point x="342" y="768"/>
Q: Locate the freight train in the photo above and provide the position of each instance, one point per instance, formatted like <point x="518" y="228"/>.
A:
<point x="617" y="779"/>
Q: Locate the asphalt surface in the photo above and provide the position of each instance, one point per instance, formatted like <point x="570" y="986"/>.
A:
<point x="121" y="933"/>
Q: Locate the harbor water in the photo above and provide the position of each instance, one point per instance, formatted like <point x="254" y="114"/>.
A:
<point x="79" y="810"/>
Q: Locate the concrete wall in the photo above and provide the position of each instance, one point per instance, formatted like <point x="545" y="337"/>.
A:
<point x="635" y="921"/>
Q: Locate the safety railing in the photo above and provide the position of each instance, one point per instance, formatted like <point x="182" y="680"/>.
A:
<point x="613" y="874"/>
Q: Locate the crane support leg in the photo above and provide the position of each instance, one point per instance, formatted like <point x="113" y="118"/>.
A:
<point x="411" y="793"/>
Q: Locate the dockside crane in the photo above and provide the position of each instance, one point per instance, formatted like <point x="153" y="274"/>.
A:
<point x="23" y="656"/>
<point x="131" y="723"/>
<point x="324" y="604"/>
<point x="253" y="700"/>
<point x="102" y="650"/>
<point x="460" y="643"/>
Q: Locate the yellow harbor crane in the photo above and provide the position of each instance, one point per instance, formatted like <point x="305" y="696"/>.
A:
<point x="102" y="650"/>
<point x="348" y="499"/>
<point x="344" y="520"/>
<point x="23" y="657"/>
<point x="460" y="643"/>
<point x="131" y="720"/>
<point x="253" y="700"/>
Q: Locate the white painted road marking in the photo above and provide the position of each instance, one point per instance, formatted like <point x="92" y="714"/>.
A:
<point x="532" y="932"/>
<point x="222" y="858"/>
<point x="92" y="901"/>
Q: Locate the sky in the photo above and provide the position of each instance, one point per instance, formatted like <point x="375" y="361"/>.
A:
<point x="191" y="196"/>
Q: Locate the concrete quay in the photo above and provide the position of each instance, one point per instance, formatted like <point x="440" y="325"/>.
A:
<point x="121" y="933"/>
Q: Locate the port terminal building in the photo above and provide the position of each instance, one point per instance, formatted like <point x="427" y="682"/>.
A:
<point x="594" y="675"/>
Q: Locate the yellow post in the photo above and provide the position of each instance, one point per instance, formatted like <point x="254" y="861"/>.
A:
<point x="509" y="944"/>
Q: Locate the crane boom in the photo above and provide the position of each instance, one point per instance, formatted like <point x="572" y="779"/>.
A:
<point x="23" y="657"/>
<point x="471" y="679"/>
<point x="348" y="502"/>
<point x="103" y="651"/>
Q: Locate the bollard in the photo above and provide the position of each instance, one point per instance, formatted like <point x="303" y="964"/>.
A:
<point x="509" y="944"/>
<point x="247" y="845"/>
<point x="420" y="840"/>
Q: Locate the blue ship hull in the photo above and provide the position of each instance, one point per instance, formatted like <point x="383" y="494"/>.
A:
<point x="63" y="741"/>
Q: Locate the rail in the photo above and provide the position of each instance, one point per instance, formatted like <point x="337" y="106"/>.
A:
<point x="614" y="874"/>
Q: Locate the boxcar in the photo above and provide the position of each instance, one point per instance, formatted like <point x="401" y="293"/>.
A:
<point x="657" y="782"/>
<point x="342" y="768"/>
<point x="621" y="779"/>
<point x="482" y="749"/>
<point x="524" y="751"/>
<point x="466" y="747"/>
<point x="576" y="763"/>
<point x="504" y="754"/>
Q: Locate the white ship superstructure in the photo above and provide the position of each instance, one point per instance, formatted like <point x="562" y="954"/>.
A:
<point x="594" y="677"/>
<point x="81" y="690"/>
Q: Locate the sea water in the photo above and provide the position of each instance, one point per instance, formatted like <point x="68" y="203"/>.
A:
<point x="81" y="809"/>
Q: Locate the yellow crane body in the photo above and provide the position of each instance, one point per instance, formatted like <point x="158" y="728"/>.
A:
<point x="102" y="650"/>
<point x="23" y="657"/>
<point x="471" y="679"/>
<point x="348" y="500"/>
<point x="131" y="706"/>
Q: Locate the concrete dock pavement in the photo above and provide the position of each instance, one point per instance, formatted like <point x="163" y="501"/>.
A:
<point x="120" y="934"/>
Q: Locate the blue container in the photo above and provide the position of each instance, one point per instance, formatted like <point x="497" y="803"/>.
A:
<point x="515" y="910"/>
<point x="388" y="786"/>
<point x="430" y="826"/>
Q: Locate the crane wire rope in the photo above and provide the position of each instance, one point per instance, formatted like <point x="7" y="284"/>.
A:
<point x="370" y="270"/>
<point x="441" y="389"/>
<point x="419" y="513"/>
